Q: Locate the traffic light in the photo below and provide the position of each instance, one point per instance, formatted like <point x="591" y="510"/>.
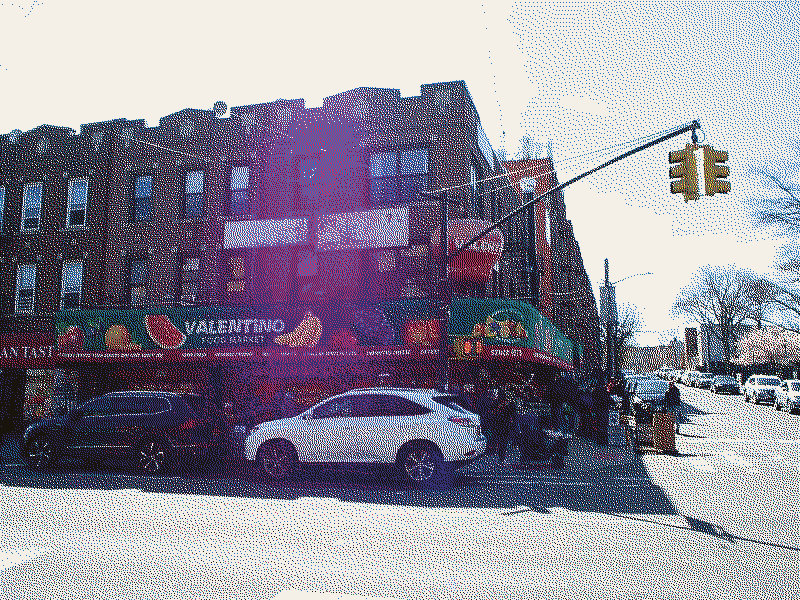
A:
<point x="714" y="173"/>
<point x="686" y="173"/>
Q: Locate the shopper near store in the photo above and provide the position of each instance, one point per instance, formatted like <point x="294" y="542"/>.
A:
<point x="485" y="405"/>
<point x="504" y="417"/>
<point x="601" y="404"/>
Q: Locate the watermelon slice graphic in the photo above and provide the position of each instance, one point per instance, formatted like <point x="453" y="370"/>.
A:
<point x="162" y="331"/>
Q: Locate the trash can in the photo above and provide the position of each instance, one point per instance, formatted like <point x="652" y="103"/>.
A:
<point x="664" y="431"/>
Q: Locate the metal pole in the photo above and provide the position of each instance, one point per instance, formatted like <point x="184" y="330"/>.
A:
<point x="683" y="129"/>
<point x="607" y="300"/>
<point x="443" y="292"/>
<point x="444" y="298"/>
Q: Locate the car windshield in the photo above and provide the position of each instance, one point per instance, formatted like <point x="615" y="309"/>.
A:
<point x="724" y="379"/>
<point x="652" y="386"/>
<point x="706" y="375"/>
<point x="768" y="381"/>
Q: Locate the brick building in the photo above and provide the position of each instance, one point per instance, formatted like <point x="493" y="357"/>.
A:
<point x="301" y="222"/>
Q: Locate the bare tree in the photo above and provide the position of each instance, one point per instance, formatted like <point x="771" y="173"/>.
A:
<point x="629" y="323"/>
<point x="721" y="296"/>
<point x="779" y="210"/>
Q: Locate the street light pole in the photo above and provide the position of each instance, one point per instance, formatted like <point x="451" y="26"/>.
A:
<point x="443" y="288"/>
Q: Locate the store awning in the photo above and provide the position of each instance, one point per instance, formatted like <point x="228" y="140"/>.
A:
<point x="507" y="329"/>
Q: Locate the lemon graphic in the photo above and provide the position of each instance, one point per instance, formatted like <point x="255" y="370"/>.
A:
<point x="117" y="337"/>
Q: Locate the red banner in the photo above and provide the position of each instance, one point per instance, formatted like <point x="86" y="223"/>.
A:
<point x="475" y="262"/>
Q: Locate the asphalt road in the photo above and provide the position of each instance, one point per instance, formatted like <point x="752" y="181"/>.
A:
<point x="718" y="521"/>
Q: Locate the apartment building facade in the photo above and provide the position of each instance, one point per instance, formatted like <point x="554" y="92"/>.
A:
<point x="265" y="216"/>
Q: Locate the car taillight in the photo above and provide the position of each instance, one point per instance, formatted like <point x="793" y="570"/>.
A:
<point x="463" y="421"/>
<point x="190" y="424"/>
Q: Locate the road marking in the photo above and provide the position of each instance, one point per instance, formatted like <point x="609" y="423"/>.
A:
<point x="737" y="460"/>
<point x="293" y="594"/>
<point x="701" y="464"/>
<point x="12" y="558"/>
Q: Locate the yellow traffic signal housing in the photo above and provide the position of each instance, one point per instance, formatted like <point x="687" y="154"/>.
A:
<point x="685" y="171"/>
<point x="714" y="173"/>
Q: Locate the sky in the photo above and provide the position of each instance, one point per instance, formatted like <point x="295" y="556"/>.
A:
<point x="582" y="76"/>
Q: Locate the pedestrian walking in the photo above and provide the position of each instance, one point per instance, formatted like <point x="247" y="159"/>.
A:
<point x="505" y="414"/>
<point x="672" y="399"/>
<point x="601" y="404"/>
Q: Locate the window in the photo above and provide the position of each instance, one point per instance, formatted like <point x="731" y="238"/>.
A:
<point x="2" y="206"/>
<point x="397" y="177"/>
<point x="71" y="281"/>
<point x="142" y="207"/>
<point x="189" y="283"/>
<point x="26" y="286"/>
<point x="236" y="285"/>
<point x="386" y="405"/>
<point x="76" y="202"/>
<point x="137" y="286"/>
<point x="98" y="407"/>
<point x="31" y="206"/>
<point x="240" y="197"/>
<point x="193" y="200"/>
<point x="138" y="405"/>
<point x="337" y="407"/>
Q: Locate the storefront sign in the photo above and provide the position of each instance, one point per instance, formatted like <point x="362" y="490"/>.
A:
<point x="475" y="262"/>
<point x="269" y="232"/>
<point x="197" y="333"/>
<point x="26" y="350"/>
<point x="509" y="329"/>
<point x="380" y="228"/>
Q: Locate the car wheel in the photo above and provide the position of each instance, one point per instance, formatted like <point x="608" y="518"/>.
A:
<point x="422" y="464"/>
<point x="39" y="452"/>
<point x="278" y="460"/>
<point x="152" y="456"/>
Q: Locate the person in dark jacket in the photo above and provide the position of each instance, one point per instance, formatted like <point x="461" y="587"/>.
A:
<point x="672" y="399"/>
<point x="505" y="416"/>
<point x="601" y="404"/>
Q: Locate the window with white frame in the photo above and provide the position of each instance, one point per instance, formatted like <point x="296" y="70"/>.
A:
<point x="193" y="200"/>
<point x="240" y="196"/>
<point x="31" y="206"/>
<point x="397" y="177"/>
<point x="142" y="208"/>
<point x="71" y="282"/>
<point x="26" y="287"/>
<point x="137" y="286"/>
<point x="2" y="206"/>
<point x="76" y="202"/>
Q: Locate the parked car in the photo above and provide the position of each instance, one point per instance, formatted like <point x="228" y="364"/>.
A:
<point x="151" y="430"/>
<point x="688" y="377"/>
<point x="725" y="384"/>
<point x="703" y="380"/>
<point x="649" y="396"/>
<point x="424" y="433"/>
<point x="761" y="388"/>
<point x="788" y="395"/>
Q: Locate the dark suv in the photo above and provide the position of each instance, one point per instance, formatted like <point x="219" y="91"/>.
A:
<point x="152" y="430"/>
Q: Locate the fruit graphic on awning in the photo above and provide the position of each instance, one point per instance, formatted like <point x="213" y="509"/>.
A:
<point x="305" y="335"/>
<point x="163" y="332"/>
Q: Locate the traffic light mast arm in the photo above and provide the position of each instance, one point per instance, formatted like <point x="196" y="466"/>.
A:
<point x="693" y="127"/>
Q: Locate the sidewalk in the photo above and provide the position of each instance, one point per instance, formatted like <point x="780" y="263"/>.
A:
<point x="584" y="457"/>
